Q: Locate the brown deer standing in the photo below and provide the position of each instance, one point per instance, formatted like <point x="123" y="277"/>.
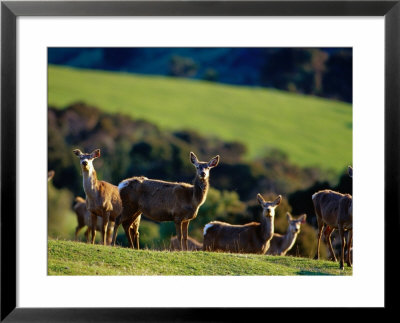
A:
<point x="102" y="198"/>
<point x="252" y="237"/>
<point x="193" y="244"/>
<point x="335" y="210"/>
<point x="84" y="219"/>
<point x="281" y="244"/>
<point x="163" y="201"/>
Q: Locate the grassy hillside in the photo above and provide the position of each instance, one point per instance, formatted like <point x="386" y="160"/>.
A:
<point x="312" y="131"/>
<point x="76" y="258"/>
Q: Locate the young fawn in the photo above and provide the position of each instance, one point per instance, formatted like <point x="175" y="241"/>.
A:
<point x="335" y="210"/>
<point x="102" y="198"/>
<point x="84" y="219"/>
<point x="193" y="244"/>
<point x="163" y="201"/>
<point x="252" y="237"/>
<point x="281" y="244"/>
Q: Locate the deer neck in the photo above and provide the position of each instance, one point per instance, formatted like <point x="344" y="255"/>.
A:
<point x="288" y="240"/>
<point x="90" y="182"/>
<point x="267" y="227"/>
<point x="200" y="189"/>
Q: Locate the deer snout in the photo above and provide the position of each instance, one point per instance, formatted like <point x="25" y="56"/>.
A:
<point x="85" y="163"/>
<point x="203" y="174"/>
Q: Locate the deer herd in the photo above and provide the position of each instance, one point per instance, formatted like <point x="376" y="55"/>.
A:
<point x="107" y="206"/>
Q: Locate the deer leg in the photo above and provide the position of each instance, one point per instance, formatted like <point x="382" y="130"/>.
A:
<point x="328" y="233"/>
<point x="134" y="229"/>
<point x="87" y="234"/>
<point x="135" y="237"/>
<point x="94" y="225"/>
<point x="126" y="225"/>
<point x="320" y="227"/>
<point x="342" y="239"/>
<point x="106" y="219"/>
<point x="349" y="241"/>
<point x="78" y="228"/>
<point x="185" y="226"/>
<point x="178" y="227"/>
<point x="116" y="226"/>
<point x="109" y="233"/>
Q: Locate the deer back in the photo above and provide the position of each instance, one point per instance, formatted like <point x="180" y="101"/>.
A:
<point x="234" y="238"/>
<point x="158" y="200"/>
<point x="326" y="205"/>
<point x="80" y="210"/>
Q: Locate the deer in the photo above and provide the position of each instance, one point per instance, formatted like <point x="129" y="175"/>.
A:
<point x="102" y="198"/>
<point x="163" y="201"/>
<point x="84" y="219"/>
<point x="281" y="244"/>
<point x="335" y="211"/>
<point x="252" y="237"/>
<point x="193" y="244"/>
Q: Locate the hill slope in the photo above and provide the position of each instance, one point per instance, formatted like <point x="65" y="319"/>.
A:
<point x="75" y="258"/>
<point x="312" y="131"/>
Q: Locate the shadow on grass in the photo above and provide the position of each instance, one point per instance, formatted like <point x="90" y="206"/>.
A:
<point x="312" y="273"/>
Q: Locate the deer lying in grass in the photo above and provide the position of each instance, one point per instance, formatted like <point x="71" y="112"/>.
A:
<point x="163" y="201"/>
<point x="84" y="219"/>
<point x="281" y="244"/>
<point x="252" y="237"/>
<point x="193" y="244"/>
<point x="335" y="210"/>
<point x="102" y="198"/>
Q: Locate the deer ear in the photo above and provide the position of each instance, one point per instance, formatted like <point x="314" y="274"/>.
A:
<point x="303" y="218"/>
<point x="350" y="171"/>
<point x="77" y="152"/>
<point x="193" y="158"/>
<point x="95" y="153"/>
<point x="214" y="162"/>
<point x="260" y="199"/>
<point x="50" y="174"/>
<point x="278" y="200"/>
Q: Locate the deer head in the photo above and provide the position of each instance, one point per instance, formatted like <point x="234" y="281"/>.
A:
<point x="295" y="224"/>
<point x="203" y="168"/>
<point x="86" y="160"/>
<point x="269" y="207"/>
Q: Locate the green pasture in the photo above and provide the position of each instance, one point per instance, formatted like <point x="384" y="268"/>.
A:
<point x="77" y="258"/>
<point x="311" y="130"/>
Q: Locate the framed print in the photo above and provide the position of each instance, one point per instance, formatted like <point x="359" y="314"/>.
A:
<point x="330" y="69"/>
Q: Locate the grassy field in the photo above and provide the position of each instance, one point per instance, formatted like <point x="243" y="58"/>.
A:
<point x="76" y="258"/>
<point x="312" y="131"/>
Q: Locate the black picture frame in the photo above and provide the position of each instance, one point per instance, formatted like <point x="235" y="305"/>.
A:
<point x="10" y="10"/>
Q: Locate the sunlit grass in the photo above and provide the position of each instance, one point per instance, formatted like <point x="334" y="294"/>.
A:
<point x="312" y="131"/>
<point x="77" y="258"/>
